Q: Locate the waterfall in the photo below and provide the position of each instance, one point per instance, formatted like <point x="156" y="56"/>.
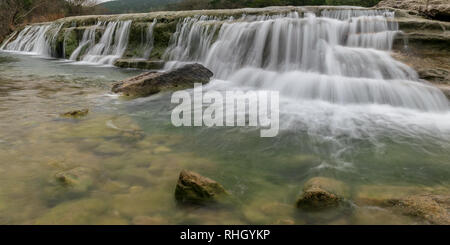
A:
<point x="41" y="40"/>
<point x="147" y="46"/>
<point x="341" y="57"/>
<point x="112" y="44"/>
<point x="35" y="40"/>
<point x="87" y="41"/>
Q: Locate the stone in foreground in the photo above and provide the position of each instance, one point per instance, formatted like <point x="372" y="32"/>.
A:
<point x="192" y="188"/>
<point x="78" y="179"/>
<point x="321" y="192"/>
<point x="76" y="113"/>
<point x="154" y="82"/>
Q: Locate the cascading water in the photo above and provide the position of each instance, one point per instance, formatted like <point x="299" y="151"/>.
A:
<point x="35" y="40"/>
<point x="112" y="44"/>
<point x="40" y="40"/>
<point x="147" y="45"/>
<point x="340" y="58"/>
<point x="87" y="41"/>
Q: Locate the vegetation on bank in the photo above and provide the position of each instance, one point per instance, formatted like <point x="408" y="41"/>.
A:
<point x="134" y="6"/>
<point x="139" y="6"/>
<point x="230" y="4"/>
<point x="14" y="13"/>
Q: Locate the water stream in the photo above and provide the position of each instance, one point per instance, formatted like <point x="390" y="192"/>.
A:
<point x="349" y="111"/>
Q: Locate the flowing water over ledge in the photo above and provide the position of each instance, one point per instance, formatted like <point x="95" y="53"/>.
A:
<point x="373" y="126"/>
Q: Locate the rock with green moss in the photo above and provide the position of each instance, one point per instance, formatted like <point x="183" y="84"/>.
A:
<point x="140" y="64"/>
<point x="192" y="188"/>
<point x="154" y="82"/>
<point x="321" y="192"/>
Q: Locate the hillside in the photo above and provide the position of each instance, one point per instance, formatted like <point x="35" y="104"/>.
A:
<point x="134" y="6"/>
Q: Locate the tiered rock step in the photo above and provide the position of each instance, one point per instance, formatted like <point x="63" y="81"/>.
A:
<point x="140" y="64"/>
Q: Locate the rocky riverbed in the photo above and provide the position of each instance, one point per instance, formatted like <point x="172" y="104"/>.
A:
<point x="72" y="152"/>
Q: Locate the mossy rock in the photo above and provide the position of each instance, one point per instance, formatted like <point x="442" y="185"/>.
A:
<point x="139" y="64"/>
<point x="322" y="192"/>
<point x="76" y="113"/>
<point x="192" y="188"/>
<point x="432" y="208"/>
<point x="78" y="179"/>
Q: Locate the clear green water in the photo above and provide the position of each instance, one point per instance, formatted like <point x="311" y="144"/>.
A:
<point x="134" y="155"/>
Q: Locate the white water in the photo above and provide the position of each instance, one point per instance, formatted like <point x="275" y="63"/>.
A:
<point x="147" y="46"/>
<point x="38" y="40"/>
<point x="337" y="80"/>
<point x="35" y="40"/>
<point x="112" y="44"/>
<point x="86" y="43"/>
<point x="342" y="60"/>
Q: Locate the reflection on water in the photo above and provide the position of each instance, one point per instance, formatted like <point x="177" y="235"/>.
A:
<point x="124" y="158"/>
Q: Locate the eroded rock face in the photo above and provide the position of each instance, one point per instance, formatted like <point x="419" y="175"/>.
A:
<point x="154" y="82"/>
<point x="436" y="9"/>
<point x="192" y="188"/>
<point x="321" y="192"/>
<point x="432" y="65"/>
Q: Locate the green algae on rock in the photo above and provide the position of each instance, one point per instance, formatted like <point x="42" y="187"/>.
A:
<point x="192" y="188"/>
<point x="321" y="192"/>
<point x="139" y="64"/>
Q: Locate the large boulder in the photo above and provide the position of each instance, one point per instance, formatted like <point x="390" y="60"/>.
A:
<point x="154" y="82"/>
<point x="436" y="9"/>
<point x="322" y="192"/>
<point x="192" y="188"/>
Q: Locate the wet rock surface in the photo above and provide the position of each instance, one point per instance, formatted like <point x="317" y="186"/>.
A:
<point x="76" y="113"/>
<point x="139" y="64"/>
<point x="420" y="204"/>
<point x="78" y="179"/>
<point x="192" y="188"/>
<point x="154" y="82"/>
<point x="432" y="65"/>
<point x="321" y="192"/>
<point x="433" y="208"/>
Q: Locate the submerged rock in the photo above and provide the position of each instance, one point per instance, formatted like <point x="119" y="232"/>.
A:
<point x="154" y="82"/>
<point x="432" y="208"/>
<point x="78" y="212"/>
<point x="321" y="192"/>
<point x="76" y="113"/>
<point x="78" y="179"/>
<point x="430" y="204"/>
<point x="193" y="188"/>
